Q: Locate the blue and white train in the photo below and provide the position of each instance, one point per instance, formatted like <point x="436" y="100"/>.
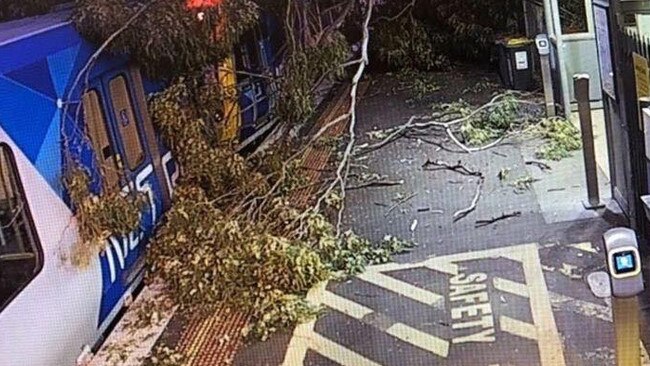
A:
<point x="51" y="310"/>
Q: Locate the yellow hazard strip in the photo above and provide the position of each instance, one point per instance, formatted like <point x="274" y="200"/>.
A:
<point x="518" y="328"/>
<point x="585" y="247"/>
<point x="426" y="341"/>
<point x="336" y="353"/>
<point x="510" y="287"/>
<point x="549" y="342"/>
<point x="402" y="288"/>
<point x="442" y="266"/>
<point x="345" y="306"/>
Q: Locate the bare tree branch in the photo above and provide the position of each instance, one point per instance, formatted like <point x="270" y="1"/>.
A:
<point x="460" y="214"/>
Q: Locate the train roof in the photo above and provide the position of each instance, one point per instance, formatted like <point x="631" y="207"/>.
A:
<point x="20" y="29"/>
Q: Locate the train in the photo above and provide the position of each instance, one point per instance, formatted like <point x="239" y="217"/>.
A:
<point x="50" y="310"/>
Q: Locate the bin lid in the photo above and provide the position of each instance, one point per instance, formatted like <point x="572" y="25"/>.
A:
<point x="514" y="41"/>
<point x="521" y="41"/>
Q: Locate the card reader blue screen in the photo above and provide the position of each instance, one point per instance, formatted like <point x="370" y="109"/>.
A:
<point x="624" y="262"/>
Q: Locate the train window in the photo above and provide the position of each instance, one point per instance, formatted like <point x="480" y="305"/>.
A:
<point x="126" y="121"/>
<point x="20" y="258"/>
<point x="99" y="137"/>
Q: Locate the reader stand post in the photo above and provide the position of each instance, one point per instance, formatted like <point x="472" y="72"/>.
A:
<point x="626" y="323"/>
<point x="626" y="279"/>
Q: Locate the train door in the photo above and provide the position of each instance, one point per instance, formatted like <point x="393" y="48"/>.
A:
<point x="120" y="141"/>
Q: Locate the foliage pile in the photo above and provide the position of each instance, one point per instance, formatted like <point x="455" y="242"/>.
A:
<point x="421" y="84"/>
<point x="304" y="68"/>
<point x="176" y="43"/>
<point x="487" y="124"/>
<point x="432" y="33"/>
<point x="233" y="234"/>
<point x="561" y="136"/>
<point x="405" y="43"/>
<point x="99" y="217"/>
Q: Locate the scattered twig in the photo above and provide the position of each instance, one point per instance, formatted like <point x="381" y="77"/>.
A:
<point x="556" y="190"/>
<point x="482" y="223"/>
<point x="381" y="183"/>
<point x="539" y="164"/>
<point x="466" y="211"/>
<point x="399" y="203"/>
<point x="458" y="167"/>
<point x="499" y="154"/>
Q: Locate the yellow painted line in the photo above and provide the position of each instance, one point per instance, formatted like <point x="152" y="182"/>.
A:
<point x="511" y="287"/>
<point x="586" y="247"/>
<point x="402" y="288"/>
<point x="427" y="342"/>
<point x="442" y="265"/>
<point x="645" y="358"/>
<point x="518" y="328"/>
<point x="345" y="306"/>
<point x="585" y="308"/>
<point x="304" y="333"/>
<point x="549" y="342"/>
<point x="403" y="332"/>
<point x="387" y="267"/>
<point x="515" y="252"/>
<point x="336" y="353"/>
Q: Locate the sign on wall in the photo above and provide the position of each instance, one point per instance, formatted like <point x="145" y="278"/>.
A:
<point x="642" y="81"/>
<point x="601" y="22"/>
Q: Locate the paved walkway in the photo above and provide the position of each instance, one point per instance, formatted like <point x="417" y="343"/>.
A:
<point x="510" y="293"/>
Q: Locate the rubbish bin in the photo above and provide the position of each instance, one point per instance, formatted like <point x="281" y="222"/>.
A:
<point x="516" y="63"/>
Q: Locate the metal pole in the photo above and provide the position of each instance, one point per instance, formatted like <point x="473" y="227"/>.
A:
<point x="581" y="87"/>
<point x="626" y="322"/>
<point x="548" y="85"/>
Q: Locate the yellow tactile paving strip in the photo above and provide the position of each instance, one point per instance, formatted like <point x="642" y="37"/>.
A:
<point x="215" y="339"/>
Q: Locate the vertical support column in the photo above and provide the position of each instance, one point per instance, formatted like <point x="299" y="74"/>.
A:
<point x="548" y="85"/>
<point x="581" y="87"/>
<point x="626" y="321"/>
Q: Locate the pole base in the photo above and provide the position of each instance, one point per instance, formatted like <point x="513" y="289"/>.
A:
<point x="591" y="205"/>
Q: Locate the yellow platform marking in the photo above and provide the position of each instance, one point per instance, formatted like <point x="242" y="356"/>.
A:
<point x="586" y="247"/>
<point x="442" y="266"/>
<point x="336" y="353"/>
<point x="428" y="342"/>
<point x="402" y="288"/>
<point x="304" y="333"/>
<point x="585" y="308"/>
<point x="420" y="339"/>
<point x="518" y="328"/>
<point x="345" y="306"/>
<point x="549" y="342"/>
<point x="510" y="287"/>
<point x="645" y="358"/>
<point x="543" y="329"/>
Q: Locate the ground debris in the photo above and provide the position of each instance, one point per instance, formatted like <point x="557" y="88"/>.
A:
<point x="543" y="166"/>
<point x="482" y="223"/>
<point x="400" y="202"/>
<point x="524" y="183"/>
<point x="458" y="167"/>
<point x="466" y="211"/>
<point x="570" y="271"/>
<point x="601" y="356"/>
<point x="503" y="174"/>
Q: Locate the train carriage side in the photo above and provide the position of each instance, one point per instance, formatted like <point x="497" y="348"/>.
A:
<point x="50" y="309"/>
